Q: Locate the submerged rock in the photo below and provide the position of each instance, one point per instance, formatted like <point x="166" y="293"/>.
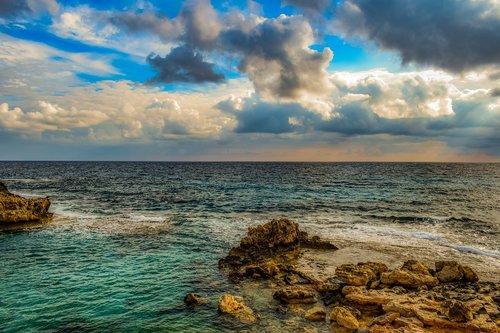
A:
<point x="234" y="306"/>
<point x="16" y="209"/>
<point x="193" y="299"/>
<point x="295" y="295"/>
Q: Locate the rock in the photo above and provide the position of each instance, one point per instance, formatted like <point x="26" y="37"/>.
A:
<point x="360" y="274"/>
<point x="16" y="209"/>
<point x="316" y="243"/>
<point x="452" y="271"/>
<point x="277" y="237"/>
<point x="405" y="322"/>
<point x="361" y="296"/>
<point x="388" y="318"/>
<point x="416" y="267"/>
<point x="408" y="279"/>
<point x="458" y="311"/>
<point x="234" y="306"/>
<point x="193" y="299"/>
<point x="315" y="314"/>
<point x="265" y="269"/>
<point x="294" y="295"/>
<point x="343" y="317"/>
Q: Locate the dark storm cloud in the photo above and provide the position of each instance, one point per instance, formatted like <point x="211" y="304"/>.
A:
<point x="495" y="92"/>
<point x="183" y="64"/>
<point x="12" y="8"/>
<point x="452" y="34"/>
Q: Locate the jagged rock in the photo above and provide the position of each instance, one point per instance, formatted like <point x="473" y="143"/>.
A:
<point x="458" y="311"/>
<point x="452" y="271"/>
<point x="388" y="318"/>
<point x="344" y="317"/>
<point x="408" y="279"/>
<point x="360" y="274"/>
<point x="16" y="209"/>
<point x="315" y="314"/>
<point x="234" y="306"/>
<point x="265" y="269"/>
<point x="316" y="243"/>
<point x="295" y="295"/>
<point x="193" y="299"/>
<point x="277" y="238"/>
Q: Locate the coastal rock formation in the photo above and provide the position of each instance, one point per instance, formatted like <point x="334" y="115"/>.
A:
<point x="361" y="297"/>
<point x="16" y="209"/>
<point x="234" y="306"/>
<point x="267" y="249"/>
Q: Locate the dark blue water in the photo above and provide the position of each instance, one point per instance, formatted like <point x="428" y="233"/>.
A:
<point x="129" y="240"/>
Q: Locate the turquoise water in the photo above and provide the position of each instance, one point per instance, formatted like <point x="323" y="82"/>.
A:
<point x="129" y="240"/>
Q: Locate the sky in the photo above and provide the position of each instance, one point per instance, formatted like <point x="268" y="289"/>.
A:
<point x="237" y="80"/>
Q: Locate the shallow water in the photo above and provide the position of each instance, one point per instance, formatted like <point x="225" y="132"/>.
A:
<point x="129" y="240"/>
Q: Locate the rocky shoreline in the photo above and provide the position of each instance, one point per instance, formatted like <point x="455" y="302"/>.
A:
<point x="357" y="297"/>
<point x="17" y="210"/>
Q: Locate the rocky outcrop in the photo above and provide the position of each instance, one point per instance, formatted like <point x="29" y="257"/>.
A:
<point x="366" y="296"/>
<point x="267" y="249"/>
<point x="16" y="209"/>
<point x="234" y="306"/>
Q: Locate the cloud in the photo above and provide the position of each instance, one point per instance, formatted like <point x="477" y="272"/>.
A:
<point x="276" y="56"/>
<point x="166" y="29"/>
<point x="202" y="23"/>
<point x="424" y="105"/>
<point x="315" y="5"/>
<point x="450" y="34"/>
<point x="183" y="64"/>
<point x="15" y="8"/>
<point x="48" y="117"/>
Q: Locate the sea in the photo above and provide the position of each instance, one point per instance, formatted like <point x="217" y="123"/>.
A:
<point x="130" y="239"/>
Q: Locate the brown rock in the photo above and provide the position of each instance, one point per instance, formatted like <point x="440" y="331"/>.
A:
<point x="405" y="322"/>
<point x="452" y="271"/>
<point x="316" y="243"/>
<point x="458" y="311"/>
<point x="265" y="269"/>
<point x="368" y="297"/>
<point x="295" y="295"/>
<point x="16" y="209"/>
<point x="193" y="299"/>
<point x="388" y="318"/>
<point x="315" y="314"/>
<point x="360" y="274"/>
<point x="408" y="279"/>
<point x="234" y="306"/>
<point x="344" y="317"/>
<point x="416" y="267"/>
